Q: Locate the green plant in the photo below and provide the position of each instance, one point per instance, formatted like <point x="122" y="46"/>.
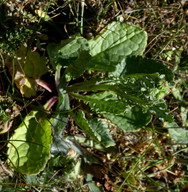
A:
<point x="121" y="86"/>
<point x="130" y="89"/>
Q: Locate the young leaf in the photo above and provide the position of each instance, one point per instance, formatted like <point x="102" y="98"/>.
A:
<point x="117" y="42"/>
<point x="26" y="85"/>
<point x="29" y="147"/>
<point x="33" y="65"/>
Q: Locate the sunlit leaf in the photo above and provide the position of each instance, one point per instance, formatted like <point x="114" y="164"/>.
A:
<point x="117" y="42"/>
<point x="29" y="147"/>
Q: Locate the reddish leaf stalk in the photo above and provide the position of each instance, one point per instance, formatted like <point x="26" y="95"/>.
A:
<point x="43" y="84"/>
<point x="50" y="103"/>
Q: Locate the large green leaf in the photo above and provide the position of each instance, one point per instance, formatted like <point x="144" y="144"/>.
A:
<point x="29" y="147"/>
<point x="117" y="42"/>
<point x="119" y="113"/>
<point x="95" y="128"/>
<point x="67" y="51"/>
<point x="139" y="64"/>
<point x="139" y="89"/>
<point x="131" y="99"/>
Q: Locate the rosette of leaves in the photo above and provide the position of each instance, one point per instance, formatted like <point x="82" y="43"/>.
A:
<point x="130" y="91"/>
